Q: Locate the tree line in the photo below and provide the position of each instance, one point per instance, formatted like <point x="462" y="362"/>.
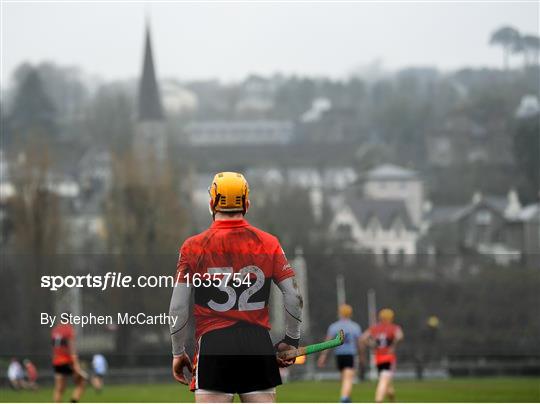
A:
<point x="514" y="42"/>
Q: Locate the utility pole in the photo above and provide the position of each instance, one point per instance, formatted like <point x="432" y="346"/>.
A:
<point x="300" y="268"/>
<point x="372" y="306"/>
<point x="340" y="289"/>
<point x="372" y="316"/>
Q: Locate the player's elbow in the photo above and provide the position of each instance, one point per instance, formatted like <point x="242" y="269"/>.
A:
<point x="294" y="301"/>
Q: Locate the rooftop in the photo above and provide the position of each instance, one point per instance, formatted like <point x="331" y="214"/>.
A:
<point x="385" y="210"/>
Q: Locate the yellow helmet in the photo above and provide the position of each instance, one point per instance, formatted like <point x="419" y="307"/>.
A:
<point x="229" y="192"/>
<point x="386" y="315"/>
<point x="433" y="321"/>
<point x="345" y="310"/>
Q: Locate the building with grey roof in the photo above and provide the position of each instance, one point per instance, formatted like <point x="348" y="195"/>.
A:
<point x="388" y="181"/>
<point x="380" y="227"/>
<point x="495" y="226"/>
<point x="383" y="216"/>
<point x="248" y="132"/>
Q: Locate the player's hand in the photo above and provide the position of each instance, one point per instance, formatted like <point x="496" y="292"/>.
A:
<point x="178" y="365"/>
<point x="281" y="347"/>
<point x="321" y="362"/>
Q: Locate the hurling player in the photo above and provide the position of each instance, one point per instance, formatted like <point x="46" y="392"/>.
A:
<point x="384" y="336"/>
<point x="237" y="264"/>
<point x="65" y="362"/>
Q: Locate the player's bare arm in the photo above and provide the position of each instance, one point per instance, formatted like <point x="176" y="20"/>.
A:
<point x="361" y="350"/>
<point x="365" y="339"/>
<point x="397" y="339"/>
<point x="399" y="335"/>
<point x="179" y="308"/>
<point x="74" y="356"/>
<point x="79" y="373"/>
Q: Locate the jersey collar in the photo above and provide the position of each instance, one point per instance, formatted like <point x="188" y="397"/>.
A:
<point x="228" y="224"/>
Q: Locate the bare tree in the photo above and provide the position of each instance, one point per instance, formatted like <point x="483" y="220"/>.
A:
<point x="146" y="224"/>
<point x="34" y="212"/>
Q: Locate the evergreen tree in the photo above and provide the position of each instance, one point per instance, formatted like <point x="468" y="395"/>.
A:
<point x="527" y="150"/>
<point x="33" y="111"/>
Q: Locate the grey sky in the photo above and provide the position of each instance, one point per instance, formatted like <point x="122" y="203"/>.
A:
<point x="231" y="40"/>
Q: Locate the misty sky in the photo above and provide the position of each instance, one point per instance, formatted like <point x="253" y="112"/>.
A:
<point x="228" y="41"/>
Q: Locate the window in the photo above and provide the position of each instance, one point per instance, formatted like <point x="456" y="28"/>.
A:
<point x="344" y="231"/>
<point x="398" y="227"/>
<point x="373" y="226"/>
<point x="385" y="256"/>
<point x="401" y="256"/>
<point x="483" y="217"/>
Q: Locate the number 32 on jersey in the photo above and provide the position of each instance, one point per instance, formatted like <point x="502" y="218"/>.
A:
<point x="228" y="283"/>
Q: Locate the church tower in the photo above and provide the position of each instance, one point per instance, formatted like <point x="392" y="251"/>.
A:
<point x="150" y="132"/>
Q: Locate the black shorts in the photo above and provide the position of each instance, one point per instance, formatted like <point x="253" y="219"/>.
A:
<point x="65" y="370"/>
<point x="344" y="361"/>
<point x="237" y="359"/>
<point x="385" y="366"/>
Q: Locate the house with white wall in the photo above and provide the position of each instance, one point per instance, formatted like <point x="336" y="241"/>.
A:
<point x="388" y="181"/>
<point x="378" y="226"/>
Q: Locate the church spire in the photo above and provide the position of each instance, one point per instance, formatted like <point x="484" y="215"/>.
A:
<point x="150" y="108"/>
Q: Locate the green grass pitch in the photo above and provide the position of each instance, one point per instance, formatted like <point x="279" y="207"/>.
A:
<point x="454" y="390"/>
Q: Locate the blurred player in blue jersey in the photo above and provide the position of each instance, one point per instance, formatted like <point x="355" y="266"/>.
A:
<point x="99" y="367"/>
<point x="345" y="353"/>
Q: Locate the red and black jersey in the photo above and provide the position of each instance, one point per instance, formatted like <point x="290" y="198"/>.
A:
<point x="61" y="337"/>
<point x="232" y="247"/>
<point x="384" y="335"/>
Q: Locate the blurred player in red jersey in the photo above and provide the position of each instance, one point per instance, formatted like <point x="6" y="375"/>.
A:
<point x="384" y="336"/>
<point x="31" y="374"/>
<point x="237" y="264"/>
<point x="66" y="362"/>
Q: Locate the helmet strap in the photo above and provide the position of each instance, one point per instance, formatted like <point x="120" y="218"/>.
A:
<point x="218" y="196"/>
